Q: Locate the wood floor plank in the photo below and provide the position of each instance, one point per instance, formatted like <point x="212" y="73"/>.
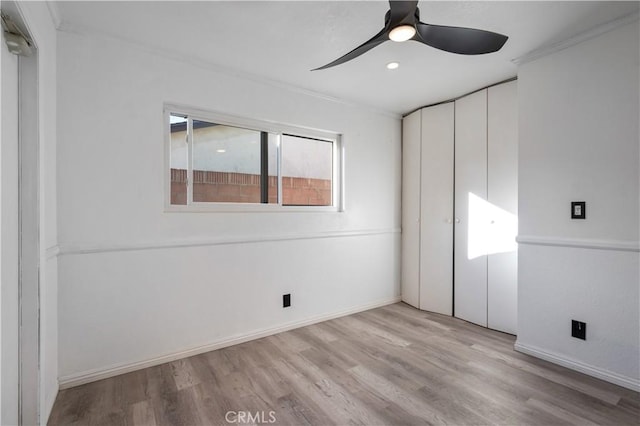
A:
<point x="141" y="414"/>
<point x="212" y="402"/>
<point x="317" y="367"/>
<point x="523" y="385"/>
<point x="414" y="406"/>
<point x="322" y="332"/>
<point x="174" y="408"/>
<point x="133" y="386"/>
<point x="387" y="412"/>
<point x="292" y="410"/>
<point x="73" y="406"/>
<point x="291" y="342"/>
<point x="219" y="362"/>
<point x="312" y="386"/>
<point x="365" y="327"/>
<point x="594" y="391"/>
<point x="184" y="374"/>
<point x="445" y="379"/>
<point x="560" y="412"/>
<point x="160" y="381"/>
<point x="394" y="365"/>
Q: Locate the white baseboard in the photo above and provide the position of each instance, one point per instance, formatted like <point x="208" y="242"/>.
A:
<point x="82" y="378"/>
<point x="606" y="375"/>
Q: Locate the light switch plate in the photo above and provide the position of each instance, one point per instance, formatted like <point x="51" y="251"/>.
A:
<point x="578" y="210"/>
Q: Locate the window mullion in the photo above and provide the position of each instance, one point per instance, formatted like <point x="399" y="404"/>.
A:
<point x="189" y="160"/>
<point x="279" y="167"/>
<point x="264" y="167"/>
<point x="338" y="178"/>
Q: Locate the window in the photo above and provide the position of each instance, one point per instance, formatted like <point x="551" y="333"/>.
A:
<point x="307" y="168"/>
<point x="217" y="162"/>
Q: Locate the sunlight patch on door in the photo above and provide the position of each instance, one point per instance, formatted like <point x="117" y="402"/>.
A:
<point x="491" y="229"/>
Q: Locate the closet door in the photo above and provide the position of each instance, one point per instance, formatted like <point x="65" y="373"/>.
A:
<point x="436" y="213"/>
<point x="411" y="209"/>
<point x="470" y="260"/>
<point x="502" y="285"/>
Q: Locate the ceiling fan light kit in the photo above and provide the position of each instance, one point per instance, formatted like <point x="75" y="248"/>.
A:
<point x="402" y="23"/>
<point x="402" y="33"/>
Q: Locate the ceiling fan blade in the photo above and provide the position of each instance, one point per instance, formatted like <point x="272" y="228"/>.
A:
<point x="399" y="10"/>
<point x="465" y="41"/>
<point x="377" y="39"/>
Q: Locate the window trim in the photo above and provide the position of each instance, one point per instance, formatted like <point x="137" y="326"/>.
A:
<point x="337" y="190"/>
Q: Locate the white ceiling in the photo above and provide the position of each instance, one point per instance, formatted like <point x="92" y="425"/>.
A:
<point x="283" y="41"/>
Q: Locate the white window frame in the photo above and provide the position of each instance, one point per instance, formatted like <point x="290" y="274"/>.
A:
<point x="337" y="181"/>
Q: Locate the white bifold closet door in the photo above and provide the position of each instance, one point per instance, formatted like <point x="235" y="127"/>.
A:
<point x="427" y="208"/>
<point x="470" y="273"/>
<point x="486" y="197"/>
<point x="502" y="184"/>
<point x="436" y="209"/>
<point x="411" y="137"/>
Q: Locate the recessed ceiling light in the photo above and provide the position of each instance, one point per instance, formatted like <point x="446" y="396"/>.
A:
<point x="393" y="65"/>
<point x="402" y="33"/>
<point x="221" y="151"/>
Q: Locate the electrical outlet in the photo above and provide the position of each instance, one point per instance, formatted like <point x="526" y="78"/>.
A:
<point x="579" y="329"/>
<point x="286" y="300"/>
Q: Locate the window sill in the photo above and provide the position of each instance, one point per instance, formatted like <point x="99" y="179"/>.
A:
<point x="248" y="208"/>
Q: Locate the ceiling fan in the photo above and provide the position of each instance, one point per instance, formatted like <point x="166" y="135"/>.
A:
<point x="402" y="23"/>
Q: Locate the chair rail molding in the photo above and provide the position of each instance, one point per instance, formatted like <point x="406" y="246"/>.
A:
<point x="616" y="245"/>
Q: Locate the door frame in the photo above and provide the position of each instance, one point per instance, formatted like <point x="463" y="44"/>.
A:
<point x="28" y="244"/>
<point x="29" y="240"/>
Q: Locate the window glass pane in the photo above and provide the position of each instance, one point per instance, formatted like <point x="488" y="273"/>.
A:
<point x="307" y="170"/>
<point x="178" y="159"/>
<point x="226" y="163"/>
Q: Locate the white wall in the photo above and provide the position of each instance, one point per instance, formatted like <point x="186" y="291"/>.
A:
<point x="579" y="141"/>
<point x="225" y="274"/>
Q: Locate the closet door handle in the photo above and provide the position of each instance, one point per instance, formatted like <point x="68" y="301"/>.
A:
<point x="449" y="221"/>
<point x="457" y="220"/>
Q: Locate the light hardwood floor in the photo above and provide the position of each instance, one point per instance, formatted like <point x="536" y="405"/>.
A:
<point x="392" y="365"/>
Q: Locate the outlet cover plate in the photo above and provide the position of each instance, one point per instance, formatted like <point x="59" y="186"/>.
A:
<point x="579" y="329"/>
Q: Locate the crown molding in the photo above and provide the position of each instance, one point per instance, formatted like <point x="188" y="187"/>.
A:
<point x="586" y="35"/>
<point x="85" y="31"/>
